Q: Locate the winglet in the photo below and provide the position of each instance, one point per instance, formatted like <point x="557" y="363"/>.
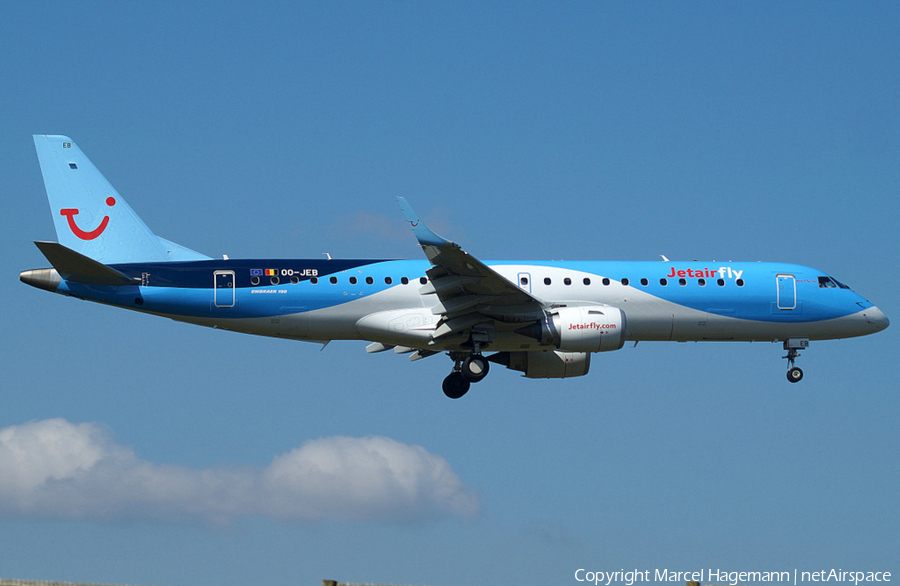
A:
<point x="422" y="232"/>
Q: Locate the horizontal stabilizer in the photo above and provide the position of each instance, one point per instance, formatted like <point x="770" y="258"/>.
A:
<point x="76" y="267"/>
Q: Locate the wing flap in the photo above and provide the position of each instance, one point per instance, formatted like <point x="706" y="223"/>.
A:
<point x="447" y="284"/>
<point x="461" y="303"/>
<point x="458" y="325"/>
<point x="377" y="347"/>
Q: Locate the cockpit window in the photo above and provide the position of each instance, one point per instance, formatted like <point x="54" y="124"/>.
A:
<point x="829" y="283"/>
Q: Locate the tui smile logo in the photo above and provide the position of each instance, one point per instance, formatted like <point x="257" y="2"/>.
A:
<point x="70" y="214"/>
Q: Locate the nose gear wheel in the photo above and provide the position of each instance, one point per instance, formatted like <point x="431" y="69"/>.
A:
<point x="793" y="345"/>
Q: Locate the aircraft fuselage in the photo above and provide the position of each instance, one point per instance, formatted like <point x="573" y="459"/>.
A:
<point x="333" y="299"/>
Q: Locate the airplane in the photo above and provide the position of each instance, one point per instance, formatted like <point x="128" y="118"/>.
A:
<point x="542" y="318"/>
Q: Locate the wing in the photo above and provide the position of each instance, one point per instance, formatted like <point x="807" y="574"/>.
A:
<point x="473" y="300"/>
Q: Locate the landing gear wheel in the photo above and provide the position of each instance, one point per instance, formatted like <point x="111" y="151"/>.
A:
<point x="455" y="385"/>
<point x="475" y="368"/>
<point x="793" y="345"/>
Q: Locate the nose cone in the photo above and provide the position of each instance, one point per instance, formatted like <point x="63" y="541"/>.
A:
<point x="876" y="319"/>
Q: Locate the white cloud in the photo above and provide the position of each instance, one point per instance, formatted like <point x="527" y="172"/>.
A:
<point x="57" y="469"/>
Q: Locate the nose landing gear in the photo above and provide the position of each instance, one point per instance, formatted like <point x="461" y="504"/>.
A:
<point x="793" y="345"/>
<point x="794" y="374"/>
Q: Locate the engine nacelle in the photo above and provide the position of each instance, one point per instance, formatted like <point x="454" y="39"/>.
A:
<point x="549" y="364"/>
<point x="586" y="328"/>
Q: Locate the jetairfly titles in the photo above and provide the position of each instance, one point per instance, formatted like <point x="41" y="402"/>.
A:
<point x="722" y="273"/>
<point x="542" y="318"/>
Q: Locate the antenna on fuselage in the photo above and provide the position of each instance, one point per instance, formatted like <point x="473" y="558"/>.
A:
<point x="327" y="255"/>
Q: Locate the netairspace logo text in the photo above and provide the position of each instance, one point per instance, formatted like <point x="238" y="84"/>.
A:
<point x="631" y="577"/>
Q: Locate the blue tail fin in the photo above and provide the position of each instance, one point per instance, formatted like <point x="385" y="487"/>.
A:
<point x="90" y="216"/>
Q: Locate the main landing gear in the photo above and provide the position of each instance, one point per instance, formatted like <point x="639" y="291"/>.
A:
<point x="467" y="369"/>
<point x="793" y="345"/>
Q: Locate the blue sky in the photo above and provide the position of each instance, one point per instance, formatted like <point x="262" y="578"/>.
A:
<point x="713" y="131"/>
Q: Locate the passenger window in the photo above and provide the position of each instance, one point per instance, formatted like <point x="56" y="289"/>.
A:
<point x="701" y="282"/>
<point x="388" y="280"/>
<point x="721" y="282"/>
<point x="353" y="280"/>
<point x="546" y="280"/>
<point x="523" y="281"/>
<point x="682" y="282"/>
<point x="423" y="280"/>
<point x="333" y="280"/>
<point x="314" y="280"/>
<point x="369" y="280"/>
<point x="663" y="282"/>
<point x="587" y="281"/>
<point x="567" y="281"/>
<point x="645" y="282"/>
<point x="625" y="281"/>
<point x="740" y="282"/>
<point x="404" y="280"/>
<point x="605" y="281"/>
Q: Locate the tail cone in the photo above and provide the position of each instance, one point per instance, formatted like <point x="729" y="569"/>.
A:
<point x="47" y="279"/>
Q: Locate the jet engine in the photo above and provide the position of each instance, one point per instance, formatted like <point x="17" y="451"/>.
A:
<point x="587" y="328"/>
<point x="547" y="364"/>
